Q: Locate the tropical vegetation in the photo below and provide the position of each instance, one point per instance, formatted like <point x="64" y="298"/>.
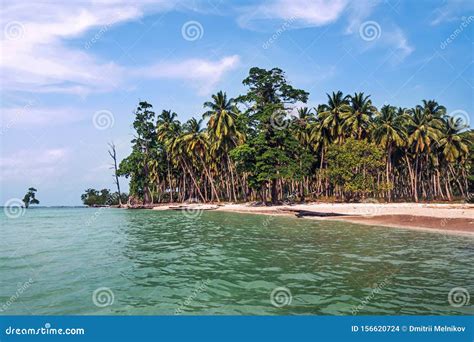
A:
<point x="267" y="145"/>
<point x="104" y="197"/>
<point x="30" y="197"/>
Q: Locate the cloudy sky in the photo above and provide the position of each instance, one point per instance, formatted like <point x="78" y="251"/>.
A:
<point x="72" y="72"/>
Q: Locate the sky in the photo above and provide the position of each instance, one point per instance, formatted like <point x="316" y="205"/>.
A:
<point x="72" y="72"/>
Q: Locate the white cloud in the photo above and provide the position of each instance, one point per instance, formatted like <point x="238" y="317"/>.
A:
<point x="451" y="10"/>
<point x="203" y="74"/>
<point x="301" y="12"/>
<point x="36" y="165"/>
<point x="31" y="115"/>
<point x="36" y="57"/>
<point x="397" y="39"/>
<point x="359" y="11"/>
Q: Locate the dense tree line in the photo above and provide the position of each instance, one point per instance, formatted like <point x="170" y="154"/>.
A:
<point x="266" y="145"/>
<point x="104" y="197"/>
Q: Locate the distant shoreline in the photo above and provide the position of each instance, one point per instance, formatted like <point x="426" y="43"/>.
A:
<point x="442" y="218"/>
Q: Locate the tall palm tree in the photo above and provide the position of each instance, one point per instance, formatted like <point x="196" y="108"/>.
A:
<point x="223" y="130"/>
<point x="303" y="125"/>
<point x="357" y="121"/>
<point x="332" y="115"/>
<point x="388" y="132"/>
<point x="423" y="129"/>
<point x="167" y="131"/>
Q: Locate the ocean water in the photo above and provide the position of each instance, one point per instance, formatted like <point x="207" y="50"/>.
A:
<point x="104" y="261"/>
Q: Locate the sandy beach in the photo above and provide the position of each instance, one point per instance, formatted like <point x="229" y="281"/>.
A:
<point x="444" y="218"/>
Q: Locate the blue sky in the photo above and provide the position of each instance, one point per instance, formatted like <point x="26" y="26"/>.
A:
<point x="73" y="72"/>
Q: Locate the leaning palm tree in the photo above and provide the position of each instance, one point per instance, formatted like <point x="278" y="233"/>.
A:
<point x="196" y="145"/>
<point x="332" y="115"/>
<point x="223" y="131"/>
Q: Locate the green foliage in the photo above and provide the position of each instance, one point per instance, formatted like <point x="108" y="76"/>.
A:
<point x="137" y="164"/>
<point x="93" y="197"/>
<point x="353" y="166"/>
<point x="30" y="197"/>
<point x="255" y="147"/>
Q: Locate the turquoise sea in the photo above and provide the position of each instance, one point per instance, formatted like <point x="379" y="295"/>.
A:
<point x="103" y="261"/>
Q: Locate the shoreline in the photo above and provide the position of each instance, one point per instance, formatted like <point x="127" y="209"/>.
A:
<point x="454" y="219"/>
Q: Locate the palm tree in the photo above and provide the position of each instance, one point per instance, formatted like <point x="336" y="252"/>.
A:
<point x="223" y="130"/>
<point x="433" y="109"/>
<point x="196" y="143"/>
<point x="332" y="115"/>
<point x="303" y="124"/>
<point x="454" y="145"/>
<point x="357" y="121"/>
<point x="167" y="130"/>
<point x="423" y="128"/>
<point x="388" y="132"/>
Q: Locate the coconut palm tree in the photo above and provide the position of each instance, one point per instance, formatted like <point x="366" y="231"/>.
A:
<point x="167" y="131"/>
<point x="357" y="120"/>
<point x="388" y="132"/>
<point x="223" y="131"/>
<point x="332" y="115"/>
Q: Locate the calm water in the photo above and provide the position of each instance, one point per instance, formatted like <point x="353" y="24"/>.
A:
<point x="53" y="260"/>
